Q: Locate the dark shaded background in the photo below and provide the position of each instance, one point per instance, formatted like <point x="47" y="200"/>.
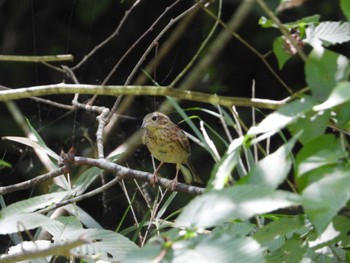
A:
<point x="75" y="27"/>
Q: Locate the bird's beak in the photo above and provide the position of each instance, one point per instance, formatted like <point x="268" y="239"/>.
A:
<point x="143" y="124"/>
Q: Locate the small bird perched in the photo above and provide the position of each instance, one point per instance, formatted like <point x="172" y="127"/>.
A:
<point x="168" y="144"/>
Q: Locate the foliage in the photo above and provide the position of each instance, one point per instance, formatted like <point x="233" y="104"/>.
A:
<point x="288" y="205"/>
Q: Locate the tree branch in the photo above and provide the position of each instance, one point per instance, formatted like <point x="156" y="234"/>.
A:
<point x="114" y="90"/>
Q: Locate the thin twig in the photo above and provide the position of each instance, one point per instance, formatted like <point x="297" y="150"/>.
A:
<point x="103" y="43"/>
<point x="250" y="47"/>
<point x="282" y="28"/>
<point x="29" y="183"/>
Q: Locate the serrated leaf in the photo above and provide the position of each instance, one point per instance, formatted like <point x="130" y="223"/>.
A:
<point x="280" y="228"/>
<point x="272" y="170"/>
<point x="104" y="242"/>
<point x="62" y="232"/>
<point x="215" y="247"/>
<point x="323" y="150"/>
<point x="283" y="116"/>
<point x="324" y="71"/>
<point x="280" y="52"/>
<point x="239" y="202"/>
<point x="292" y="251"/>
<point x="25" y="221"/>
<point x="219" y="248"/>
<point x="336" y="231"/>
<point x="312" y="125"/>
<point x="324" y="198"/>
<point x="328" y="33"/>
<point x="32" y="204"/>
<point x="340" y="95"/>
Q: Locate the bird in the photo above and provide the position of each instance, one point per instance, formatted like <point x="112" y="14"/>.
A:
<point x="168" y="143"/>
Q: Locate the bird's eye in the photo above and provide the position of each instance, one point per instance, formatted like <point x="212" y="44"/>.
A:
<point x="154" y="118"/>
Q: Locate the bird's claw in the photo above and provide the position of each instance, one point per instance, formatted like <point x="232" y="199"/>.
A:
<point x="154" y="180"/>
<point x="173" y="184"/>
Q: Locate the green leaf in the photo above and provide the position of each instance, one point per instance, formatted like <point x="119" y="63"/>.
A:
<point x="340" y="95"/>
<point x="266" y="23"/>
<point x="5" y="164"/>
<point x="239" y="202"/>
<point x="292" y="251"/>
<point x="280" y="52"/>
<point x="222" y="170"/>
<point x="345" y="7"/>
<point x="322" y="151"/>
<point x="283" y="116"/>
<point x="273" y="169"/>
<point x="24" y="221"/>
<point x="235" y="229"/>
<point x="281" y="228"/>
<point x="32" y="204"/>
<point x="328" y="33"/>
<point x="221" y="248"/>
<point x="324" y="198"/>
<point x="336" y="231"/>
<point x="104" y="242"/>
<point x="312" y="125"/>
<point x="324" y="70"/>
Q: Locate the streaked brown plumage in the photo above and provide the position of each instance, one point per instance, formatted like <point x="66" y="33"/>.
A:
<point x="168" y="144"/>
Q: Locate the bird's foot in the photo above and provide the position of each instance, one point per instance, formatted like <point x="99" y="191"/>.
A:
<point x="154" y="179"/>
<point x="173" y="184"/>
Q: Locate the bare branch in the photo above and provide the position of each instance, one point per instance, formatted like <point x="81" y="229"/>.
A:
<point x="62" y="88"/>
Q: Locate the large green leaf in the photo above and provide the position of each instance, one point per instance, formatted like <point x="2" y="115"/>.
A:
<point x="104" y="242"/>
<point x="272" y="170"/>
<point x="239" y="202"/>
<point x="221" y="248"/>
<point x="324" y="70"/>
<point x="325" y="150"/>
<point x="25" y="221"/>
<point x="325" y="197"/>
<point x="32" y="204"/>
<point x="273" y="235"/>
<point x="312" y="125"/>
<point x="215" y="247"/>
<point x="283" y="116"/>
<point x="292" y="251"/>
<point x="339" y="95"/>
<point x="327" y="33"/>
<point x="336" y="231"/>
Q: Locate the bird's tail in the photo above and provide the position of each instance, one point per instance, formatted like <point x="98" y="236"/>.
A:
<point x="190" y="174"/>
